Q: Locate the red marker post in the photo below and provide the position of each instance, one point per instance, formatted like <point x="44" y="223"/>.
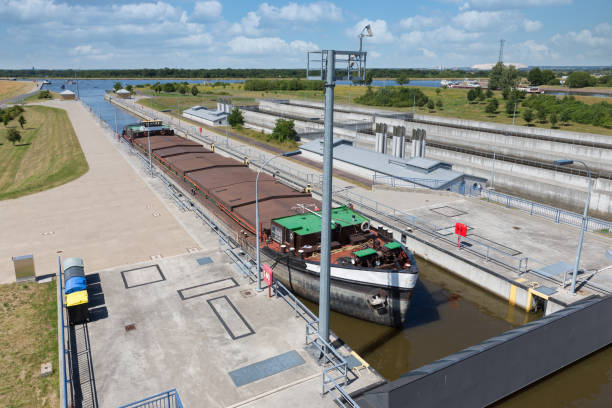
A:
<point x="461" y="231"/>
<point x="268" y="276"/>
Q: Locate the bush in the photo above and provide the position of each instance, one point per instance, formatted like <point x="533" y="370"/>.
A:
<point x="579" y="79"/>
<point x="44" y="94"/>
<point x="553" y="119"/>
<point x="194" y="90"/>
<point x="598" y="114"/>
<point x="235" y="118"/>
<point x="492" y="106"/>
<point x="528" y="116"/>
<point x="439" y="104"/>
<point x="283" y="131"/>
<point x="430" y="105"/>
<point x="11" y="113"/>
<point x="282" y="85"/>
<point x="13" y="135"/>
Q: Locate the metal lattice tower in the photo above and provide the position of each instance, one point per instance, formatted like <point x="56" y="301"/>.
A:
<point x="501" y="50"/>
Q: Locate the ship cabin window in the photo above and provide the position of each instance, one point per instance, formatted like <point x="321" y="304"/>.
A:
<point x="289" y="235"/>
<point x="277" y="233"/>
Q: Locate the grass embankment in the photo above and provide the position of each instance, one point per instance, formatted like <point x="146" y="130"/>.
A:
<point x="48" y="155"/>
<point x="8" y="89"/>
<point x="454" y="103"/>
<point x="35" y="98"/>
<point x="28" y="317"/>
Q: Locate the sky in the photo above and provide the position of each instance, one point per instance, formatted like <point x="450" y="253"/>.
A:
<point x="276" y="34"/>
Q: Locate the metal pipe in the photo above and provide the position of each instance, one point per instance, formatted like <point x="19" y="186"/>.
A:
<point x="324" y="279"/>
<point x="150" y="160"/>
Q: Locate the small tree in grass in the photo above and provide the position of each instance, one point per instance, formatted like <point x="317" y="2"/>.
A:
<point x="541" y="114"/>
<point x="182" y="89"/>
<point x="194" y="90"/>
<point x="5" y="119"/>
<point x="472" y="95"/>
<point x="22" y="121"/>
<point x="489" y="93"/>
<point x="430" y="105"/>
<point x="117" y="86"/>
<point x="439" y="103"/>
<point x="284" y="130"/>
<point x="553" y="119"/>
<point x="528" y="116"/>
<point x="565" y="117"/>
<point x="438" y="91"/>
<point x="13" y="135"/>
<point x="235" y="118"/>
<point x="129" y="88"/>
<point x="492" y="106"/>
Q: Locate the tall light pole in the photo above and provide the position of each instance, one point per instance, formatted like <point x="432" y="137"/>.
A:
<point x="365" y="32"/>
<point x="257" y="232"/>
<point x="566" y="162"/>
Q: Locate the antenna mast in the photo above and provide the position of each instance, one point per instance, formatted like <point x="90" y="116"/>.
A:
<point x="501" y="50"/>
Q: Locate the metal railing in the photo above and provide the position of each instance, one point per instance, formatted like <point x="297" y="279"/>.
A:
<point x="167" y="399"/>
<point x="558" y="215"/>
<point x="61" y="327"/>
<point x="396" y="182"/>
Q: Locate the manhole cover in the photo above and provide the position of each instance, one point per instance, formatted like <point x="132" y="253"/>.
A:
<point x="130" y="327"/>
<point x="247" y="293"/>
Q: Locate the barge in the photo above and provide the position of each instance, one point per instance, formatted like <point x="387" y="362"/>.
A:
<point x="372" y="276"/>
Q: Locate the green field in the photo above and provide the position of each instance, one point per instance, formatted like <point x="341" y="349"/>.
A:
<point x="28" y="317"/>
<point x="9" y="89"/>
<point x="454" y="101"/>
<point x="48" y="155"/>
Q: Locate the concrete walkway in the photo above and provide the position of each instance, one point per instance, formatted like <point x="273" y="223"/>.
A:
<point x="108" y="216"/>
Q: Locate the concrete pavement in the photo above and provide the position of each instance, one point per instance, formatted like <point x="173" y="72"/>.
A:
<point x="108" y="216"/>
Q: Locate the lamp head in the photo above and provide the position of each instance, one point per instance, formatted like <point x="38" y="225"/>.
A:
<point x="293" y="153"/>
<point x="563" y="162"/>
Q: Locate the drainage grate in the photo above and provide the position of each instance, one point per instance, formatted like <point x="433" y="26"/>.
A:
<point x="205" y="261"/>
<point x="130" y="327"/>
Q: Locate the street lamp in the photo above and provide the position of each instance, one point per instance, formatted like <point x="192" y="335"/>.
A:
<point x="566" y="162"/>
<point x="365" y="32"/>
<point x="257" y="232"/>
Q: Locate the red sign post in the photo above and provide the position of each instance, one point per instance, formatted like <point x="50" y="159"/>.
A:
<point x="461" y="231"/>
<point x="268" y="276"/>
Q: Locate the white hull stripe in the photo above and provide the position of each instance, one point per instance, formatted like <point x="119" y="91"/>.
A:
<point x="392" y="279"/>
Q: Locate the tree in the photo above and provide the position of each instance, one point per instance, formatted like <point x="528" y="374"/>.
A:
<point x="547" y="76"/>
<point x="553" y="119"/>
<point x="438" y="91"/>
<point x="22" y="121"/>
<point x="235" y="118"/>
<point x="489" y="93"/>
<point x="117" y="86"/>
<point x="182" y="89"/>
<point x="495" y="77"/>
<point x="481" y="95"/>
<point x="541" y="114"/>
<point x="168" y="87"/>
<point x="535" y="77"/>
<point x="5" y="119"/>
<point x="505" y="92"/>
<point x="430" y="105"/>
<point x="194" y="90"/>
<point x="402" y="78"/>
<point x="439" y="104"/>
<point x="13" y="135"/>
<point x="472" y="95"/>
<point x="284" y="130"/>
<point x="528" y="116"/>
<point x="369" y="77"/>
<point x="565" y="116"/>
<point x="129" y="88"/>
<point x="492" y="106"/>
<point x="580" y="79"/>
<point x="510" y="106"/>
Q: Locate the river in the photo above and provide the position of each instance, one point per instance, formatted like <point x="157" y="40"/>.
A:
<point x="447" y="314"/>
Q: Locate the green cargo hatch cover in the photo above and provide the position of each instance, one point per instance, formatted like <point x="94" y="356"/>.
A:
<point x="393" y="245"/>
<point x="365" y="252"/>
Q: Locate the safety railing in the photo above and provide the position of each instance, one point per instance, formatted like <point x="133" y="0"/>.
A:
<point x="397" y="182"/>
<point x="167" y="399"/>
<point x="61" y="327"/>
<point x="556" y="214"/>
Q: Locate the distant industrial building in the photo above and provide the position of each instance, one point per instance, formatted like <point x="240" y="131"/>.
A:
<point x="415" y="172"/>
<point x="67" y="95"/>
<point x="206" y="116"/>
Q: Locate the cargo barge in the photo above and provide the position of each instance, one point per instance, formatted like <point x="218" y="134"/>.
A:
<point x="372" y="276"/>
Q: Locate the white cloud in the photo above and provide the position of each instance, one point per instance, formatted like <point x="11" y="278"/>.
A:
<point x="381" y="33"/>
<point x="508" y="4"/>
<point x="83" y="50"/>
<point x="207" y="10"/>
<point x="587" y="38"/>
<point x="428" y="53"/>
<point x="418" y="21"/>
<point x="193" y="40"/>
<point x="451" y="35"/>
<point x="248" y="25"/>
<point x="313" y="12"/>
<point x="603" y="28"/>
<point x="268" y="45"/>
<point x="484" y="20"/>
<point x="412" y="38"/>
<point x="531" y="25"/>
<point x="146" y="11"/>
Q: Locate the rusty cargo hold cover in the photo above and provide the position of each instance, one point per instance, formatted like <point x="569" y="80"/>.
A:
<point x="178" y="150"/>
<point x="271" y="209"/>
<point x="162" y="142"/>
<point x="192" y="162"/>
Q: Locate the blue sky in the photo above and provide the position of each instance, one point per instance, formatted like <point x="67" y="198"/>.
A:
<point x="277" y="34"/>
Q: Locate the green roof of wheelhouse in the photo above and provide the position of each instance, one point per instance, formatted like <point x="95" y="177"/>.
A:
<point x="310" y="222"/>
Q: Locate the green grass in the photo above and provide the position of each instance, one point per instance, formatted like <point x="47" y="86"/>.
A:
<point x="455" y="103"/>
<point x="28" y="317"/>
<point x="48" y="155"/>
<point x="9" y="89"/>
<point x="34" y="98"/>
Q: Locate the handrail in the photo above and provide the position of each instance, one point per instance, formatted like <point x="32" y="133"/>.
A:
<point x="61" y="327"/>
<point x="153" y="401"/>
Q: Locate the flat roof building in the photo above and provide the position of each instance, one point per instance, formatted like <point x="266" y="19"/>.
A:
<point x="416" y="172"/>
<point x="67" y="94"/>
<point x="206" y="116"/>
<point x="123" y="93"/>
